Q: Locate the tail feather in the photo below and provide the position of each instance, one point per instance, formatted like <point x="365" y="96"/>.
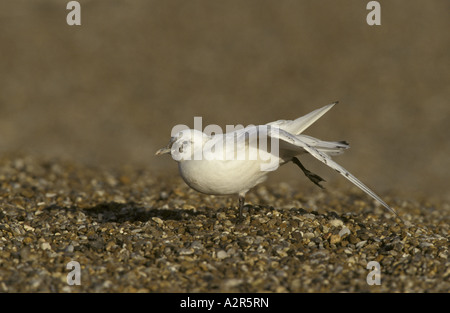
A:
<point x="328" y="147"/>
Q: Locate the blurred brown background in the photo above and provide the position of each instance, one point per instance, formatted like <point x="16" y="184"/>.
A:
<point x="109" y="91"/>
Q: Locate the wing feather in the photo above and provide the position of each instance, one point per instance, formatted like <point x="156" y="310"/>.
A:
<point x="296" y="144"/>
<point x="298" y="125"/>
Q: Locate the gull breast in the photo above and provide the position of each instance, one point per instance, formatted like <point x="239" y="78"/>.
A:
<point x="221" y="177"/>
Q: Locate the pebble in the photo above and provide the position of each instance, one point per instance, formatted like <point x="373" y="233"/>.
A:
<point x="344" y="232"/>
<point x="360" y="244"/>
<point x="158" y="220"/>
<point x="197" y="245"/>
<point x="335" y="239"/>
<point x="28" y="228"/>
<point x="336" y="223"/>
<point x="188" y="251"/>
<point x="222" y="254"/>
<point x="45" y="246"/>
<point x="232" y="283"/>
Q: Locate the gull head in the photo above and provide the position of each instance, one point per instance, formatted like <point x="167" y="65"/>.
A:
<point x="182" y="144"/>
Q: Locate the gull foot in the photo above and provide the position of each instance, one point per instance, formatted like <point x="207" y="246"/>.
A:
<point x="316" y="179"/>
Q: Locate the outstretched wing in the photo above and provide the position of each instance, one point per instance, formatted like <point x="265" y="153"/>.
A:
<point x="298" y="125"/>
<point x="291" y="142"/>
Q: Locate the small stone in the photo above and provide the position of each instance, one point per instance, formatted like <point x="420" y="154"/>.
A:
<point x="187" y="251"/>
<point x="28" y="228"/>
<point x="222" y="254"/>
<point x="45" y="246"/>
<point x="97" y="244"/>
<point x="158" y="220"/>
<point x="27" y="193"/>
<point x="232" y="283"/>
<point x="336" y="223"/>
<point x="425" y="245"/>
<point x="296" y="284"/>
<point x="344" y="232"/>
<point x="221" y="215"/>
<point x="335" y="239"/>
<point x="163" y="195"/>
<point x="25" y="253"/>
<point x="197" y="245"/>
<point x="360" y="244"/>
<point x="353" y="239"/>
<point x="110" y="245"/>
<point x="69" y="248"/>
<point x="27" y="240"/>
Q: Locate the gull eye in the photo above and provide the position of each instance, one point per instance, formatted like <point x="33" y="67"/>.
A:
<point x="183" y="144"/>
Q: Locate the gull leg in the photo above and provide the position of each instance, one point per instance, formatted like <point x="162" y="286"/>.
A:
<point x="316" y="179"/>
<point x="241" y="205"/>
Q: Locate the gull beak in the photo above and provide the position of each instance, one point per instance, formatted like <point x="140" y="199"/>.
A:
<point x="164" y="150"/>
<point x="167" y="149"/>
